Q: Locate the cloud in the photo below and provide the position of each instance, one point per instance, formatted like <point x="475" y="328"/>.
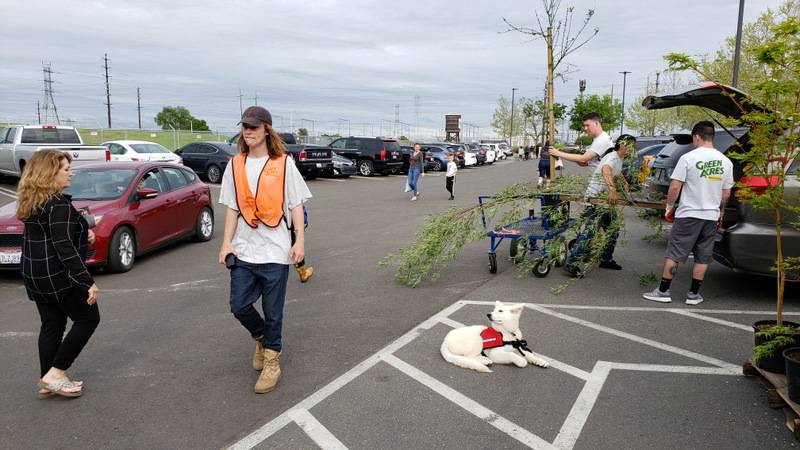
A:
<point x="325" y="60"/>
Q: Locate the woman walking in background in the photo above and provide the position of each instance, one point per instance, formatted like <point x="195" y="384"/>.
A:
<point x="416" y="168"/>
<point x="54" y="247"/>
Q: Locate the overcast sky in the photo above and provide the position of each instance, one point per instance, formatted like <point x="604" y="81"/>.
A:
<point x="326" y="60"/>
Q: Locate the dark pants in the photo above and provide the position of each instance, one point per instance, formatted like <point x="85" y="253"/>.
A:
<point x="581" y="247"/>
<point x="448" y="184"/>
<point x="248" y="283"/>
<point x="58" y="353"/>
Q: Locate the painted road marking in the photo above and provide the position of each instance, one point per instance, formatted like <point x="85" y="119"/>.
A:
<point x="315" y="430"/>
<point x="332" y="180"/>
<point x="13" y="334"/>
<point x="576" y="419"/>
<point x="8" y="192"/>
<point x="478" y="410"/>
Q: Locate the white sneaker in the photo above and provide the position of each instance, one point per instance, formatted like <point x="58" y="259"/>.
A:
<point x="693" y="299"/>
<point x="657" y="296"/>
<point x="414" y="198"/>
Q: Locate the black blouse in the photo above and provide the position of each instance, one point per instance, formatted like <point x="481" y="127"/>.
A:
<point x="54" y="247"/>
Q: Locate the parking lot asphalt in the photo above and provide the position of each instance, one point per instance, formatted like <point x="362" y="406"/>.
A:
<point x="169" y="367"/>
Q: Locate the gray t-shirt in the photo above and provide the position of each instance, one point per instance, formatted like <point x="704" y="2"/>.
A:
<point x="416" y="161"/>
<point x="263" y="245"/>
<point x="597" y="183"/>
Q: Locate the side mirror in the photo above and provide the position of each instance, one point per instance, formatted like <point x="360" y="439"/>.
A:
<point x="146" y="193"/>
<point x="178" y="151"/>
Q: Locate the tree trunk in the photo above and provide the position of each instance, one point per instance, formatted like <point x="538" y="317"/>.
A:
<point x="550" y="119"/>
<point x="781" y="278"/>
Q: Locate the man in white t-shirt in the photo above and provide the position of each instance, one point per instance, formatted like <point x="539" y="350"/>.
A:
<point x="601" y="143"/>
<point x="264" y="195"/>
<point x="703" y="179"/>
<point x="602" y="180"/>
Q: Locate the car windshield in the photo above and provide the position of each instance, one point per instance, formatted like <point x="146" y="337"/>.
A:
<point x="99" y="184"/>
<point x="50" y="136"/>
<point x="391" y="146"/>
<point x="149" y="148"/>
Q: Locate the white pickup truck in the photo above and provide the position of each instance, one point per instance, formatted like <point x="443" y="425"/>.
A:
<point x="18" y="143"/>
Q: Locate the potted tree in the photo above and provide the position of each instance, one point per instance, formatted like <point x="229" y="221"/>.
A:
<point x="768" y="155"/>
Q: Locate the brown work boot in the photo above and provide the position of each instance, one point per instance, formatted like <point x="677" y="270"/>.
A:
<point x="258" y="355"/>
<point x="305" y="273"/>
<point x="270" y="374"/>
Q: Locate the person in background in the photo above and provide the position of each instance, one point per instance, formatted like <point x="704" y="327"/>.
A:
<point x="264" y="195"/>
<point x="601" y="143"/>
<point x="527" y="153"/>
<point x="703" y="179"/>
<point x="416" y="168"/>
<point x="544" y="168"/>
<point x="602" y="180"/>
<point x="54" y="247"/>
<point x="450" y="175"/>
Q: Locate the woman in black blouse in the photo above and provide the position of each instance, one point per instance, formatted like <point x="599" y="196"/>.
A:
<point x="54" y="246"/>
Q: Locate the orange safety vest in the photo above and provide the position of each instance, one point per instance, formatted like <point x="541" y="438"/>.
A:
<point x="267" y="205"/>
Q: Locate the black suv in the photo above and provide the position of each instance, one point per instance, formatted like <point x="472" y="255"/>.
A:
<point x="372" y="155"/>
<point x="311" y="160"/>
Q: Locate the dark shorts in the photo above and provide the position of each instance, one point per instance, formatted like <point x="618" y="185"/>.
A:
<point x="690" y="235"/>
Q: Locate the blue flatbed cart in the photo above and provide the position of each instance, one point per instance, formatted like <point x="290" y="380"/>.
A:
<point x="529" y="238"/>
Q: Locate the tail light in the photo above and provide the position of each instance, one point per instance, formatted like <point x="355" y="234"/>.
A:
<point x="49" y="127"/>
<point x="108" y="155"/>
<point x="383" y="155"/>
<point x="302" y="155"/>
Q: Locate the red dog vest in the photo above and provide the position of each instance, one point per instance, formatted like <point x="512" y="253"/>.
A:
<point x="491" y="338"/>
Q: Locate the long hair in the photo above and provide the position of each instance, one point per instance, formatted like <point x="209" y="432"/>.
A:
<point x="37" y="183"/>
<point x="275" y="145"/>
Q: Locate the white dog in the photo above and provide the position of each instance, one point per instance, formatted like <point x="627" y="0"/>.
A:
<point x="476" y="347"/>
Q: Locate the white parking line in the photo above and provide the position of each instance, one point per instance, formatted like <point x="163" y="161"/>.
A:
<point x="217" y="186"/>
<point x="576" y="419"/>
<point x="333" y="180"/>
<point x="315" y="430"/>
<point x="727" y="323"/>
<point x="639" y="339"/>
<point x="13" y="334"/>
<point x="478" y="410"/>
<point x="8" y="192"/>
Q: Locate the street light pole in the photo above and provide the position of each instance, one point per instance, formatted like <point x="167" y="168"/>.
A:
<point x="624" y="81"/>
<point x="738" y="48"/>
<point x="511" y="126"/>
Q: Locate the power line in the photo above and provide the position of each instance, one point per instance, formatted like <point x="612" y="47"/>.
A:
<point x="108" y="90"/>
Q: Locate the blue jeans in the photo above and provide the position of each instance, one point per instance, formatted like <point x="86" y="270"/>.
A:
<point x="413" y="178"/>
<point x="248" y="283"/>
<point x="582" y="241"/>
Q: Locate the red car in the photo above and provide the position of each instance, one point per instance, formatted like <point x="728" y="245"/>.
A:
<point x="141" y="206"/>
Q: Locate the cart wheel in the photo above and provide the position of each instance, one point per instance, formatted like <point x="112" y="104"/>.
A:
<point x="518" y="249"/>
<point x="492" y="263"/>
<point x="541" y="269"/>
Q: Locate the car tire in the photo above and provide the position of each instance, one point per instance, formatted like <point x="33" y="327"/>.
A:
<point x="204" y="228"/>
<point x="365" y="168"/>
<point x="213" y="174"/>
<point x="437" y="166"/>
<point x="122" y="250"/>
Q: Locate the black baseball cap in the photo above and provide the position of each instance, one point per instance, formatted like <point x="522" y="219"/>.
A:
<point x="255" y="116"/>
<point x="623" y="137"/>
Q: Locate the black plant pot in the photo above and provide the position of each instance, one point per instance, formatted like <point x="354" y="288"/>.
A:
<point x="775" y="362"/>
<point x="792" y="359"/>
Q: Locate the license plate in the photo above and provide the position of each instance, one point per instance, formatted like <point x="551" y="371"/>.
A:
<point x="319" y="165"/>
<point x="10" y="257"/>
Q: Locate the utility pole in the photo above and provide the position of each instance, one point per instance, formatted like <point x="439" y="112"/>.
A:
<point x="396" y="120"/>
<point x="38" y="112"/>
<point x="108" y="90"/>
<point x="416" y="115"/>
<point x="241" y="111"/>
<point x="738" y="48"/>
<point x="624" y="81"/>
<point x="139" y="105"/>
<point x="49" y="102"/>
<point x="256" y="98"/>
<point x="511" y="125"/>
<point x="657" y="75"/>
